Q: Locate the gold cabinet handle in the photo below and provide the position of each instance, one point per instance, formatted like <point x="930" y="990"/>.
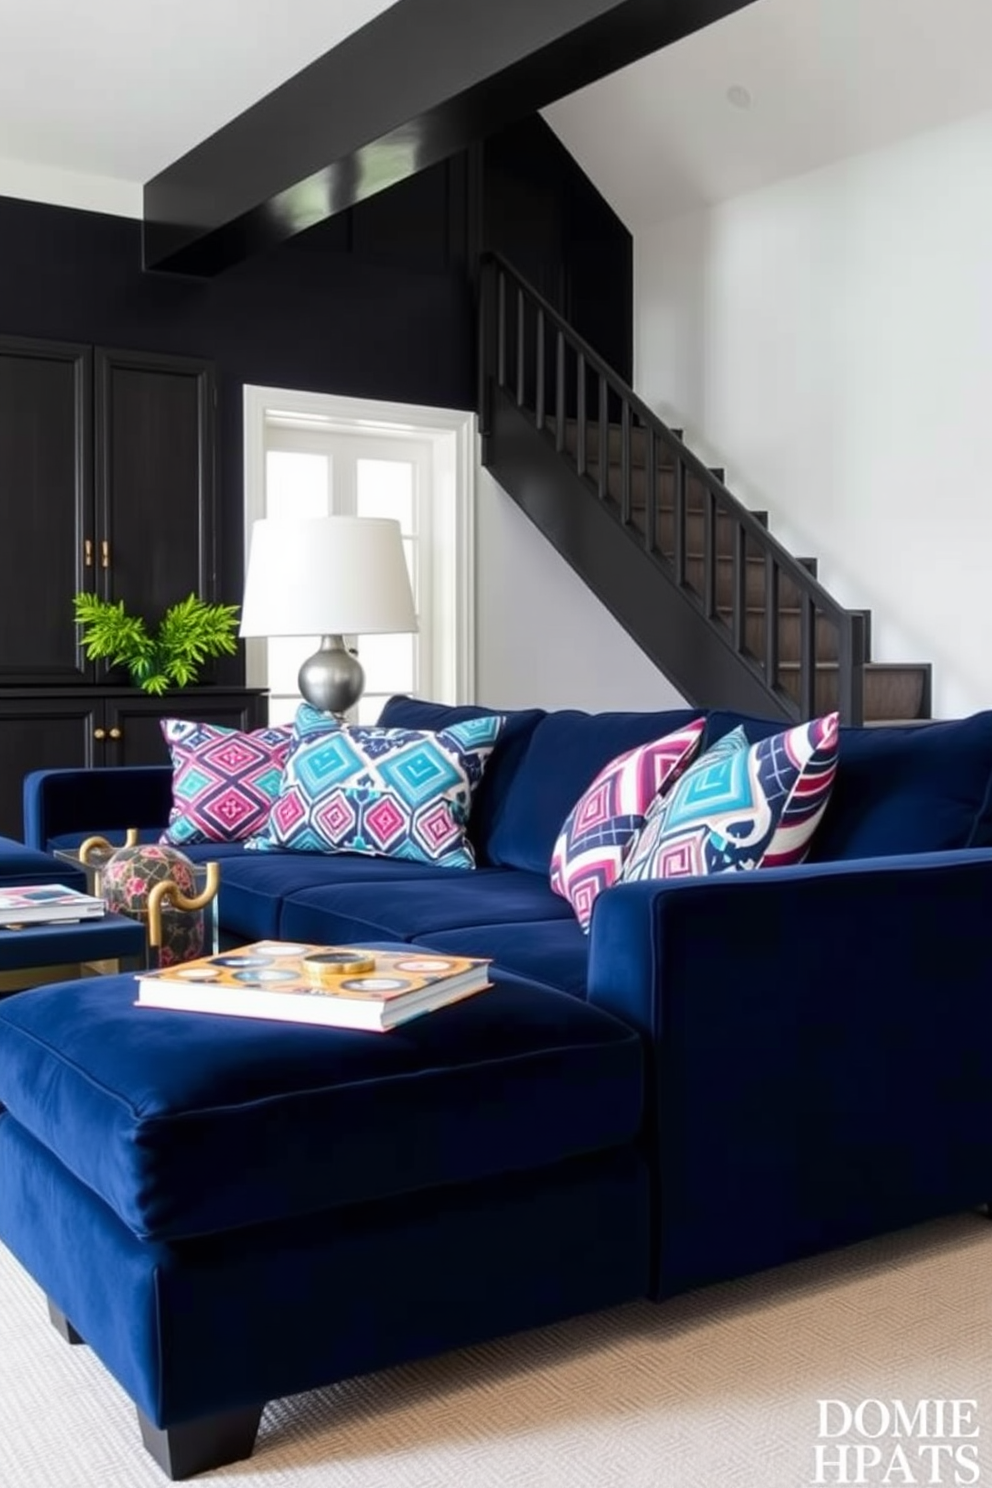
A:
<point x="88" y="552"/>
<point x="104" y="554"/>
<point x="99" y="733"/>
<point x="115" y="733"/>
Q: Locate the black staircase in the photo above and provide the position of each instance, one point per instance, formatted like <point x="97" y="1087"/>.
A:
<point x="730" y="617"/>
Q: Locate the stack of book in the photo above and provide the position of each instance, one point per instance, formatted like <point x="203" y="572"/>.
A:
<point x="338" y="986"/>
<point x="36" y="904"/>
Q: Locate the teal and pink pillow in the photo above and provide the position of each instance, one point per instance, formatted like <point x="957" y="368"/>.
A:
<point x="740" y="806"/>
<point x="224" y="781"/>
<point x="400" y="793"/>
<point x="604" y="821"/>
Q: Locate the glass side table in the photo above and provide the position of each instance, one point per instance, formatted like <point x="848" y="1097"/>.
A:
<point x="165" y="900"/>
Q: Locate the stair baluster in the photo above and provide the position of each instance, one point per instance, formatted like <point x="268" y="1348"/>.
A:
<point x="651" y="490"/>
<point x="580" y="413"/>
<point x="738" y="616"/>
<point x="604" y="437"/>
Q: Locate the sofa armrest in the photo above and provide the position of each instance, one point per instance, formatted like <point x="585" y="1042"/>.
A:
<point x="61" y="807"/>
<point x="821" y="1049"/>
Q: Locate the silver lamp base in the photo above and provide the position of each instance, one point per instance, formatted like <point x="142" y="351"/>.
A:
<point x="332" y="679"/>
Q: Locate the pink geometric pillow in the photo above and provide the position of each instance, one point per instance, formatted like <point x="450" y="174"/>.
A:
<point x="224" y="782"/>
<point x="740" y="806"/>
<point x="604" y="821"/>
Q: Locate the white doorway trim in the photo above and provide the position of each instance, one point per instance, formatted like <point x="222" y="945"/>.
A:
<point x="453" y="436"/>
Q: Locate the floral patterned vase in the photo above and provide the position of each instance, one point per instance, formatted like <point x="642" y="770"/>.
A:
<point x="126" y="881"/>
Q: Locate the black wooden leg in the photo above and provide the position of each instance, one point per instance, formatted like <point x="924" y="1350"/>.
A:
<point x="198" y="1446"/>
<point x="63" y="1325"/>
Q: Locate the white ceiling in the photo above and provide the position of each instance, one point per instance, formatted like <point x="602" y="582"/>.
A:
<point x="120" y="88"/>
<point x="827" y="79"/>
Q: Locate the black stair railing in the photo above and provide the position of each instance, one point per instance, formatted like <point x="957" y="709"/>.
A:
<point x="531" y="354"/>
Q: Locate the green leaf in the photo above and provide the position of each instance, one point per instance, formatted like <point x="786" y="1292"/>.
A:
<point x="190" y="632"/>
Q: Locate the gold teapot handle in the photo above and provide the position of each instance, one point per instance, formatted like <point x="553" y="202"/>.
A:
<point x="169" y="892"/>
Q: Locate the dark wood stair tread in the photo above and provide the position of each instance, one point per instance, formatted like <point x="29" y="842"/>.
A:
<point x="891" y="690"/>
<point x="638" y="441"/>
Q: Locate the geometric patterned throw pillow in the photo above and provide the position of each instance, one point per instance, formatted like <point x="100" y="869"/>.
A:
<point x="740" y="806"/>
<point x="223" y="781"/>
<point x="604" y="821"/>
<point x="399" y="793"/>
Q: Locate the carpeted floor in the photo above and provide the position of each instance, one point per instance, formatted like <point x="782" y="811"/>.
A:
<point x="716" y="1390"/>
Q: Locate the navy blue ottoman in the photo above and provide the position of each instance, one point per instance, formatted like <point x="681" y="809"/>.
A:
<point x="230" y="1210"/>
<point x="26" y="865"/>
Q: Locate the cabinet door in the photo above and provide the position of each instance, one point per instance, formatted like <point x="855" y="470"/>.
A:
<point x="45" y="508"/>
<point x="154" y="479"/>
<point x="132" y="722"/>
<point x="40" y="733"/>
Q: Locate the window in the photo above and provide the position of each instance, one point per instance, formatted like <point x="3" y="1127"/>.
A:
<point x="312" y="455"/>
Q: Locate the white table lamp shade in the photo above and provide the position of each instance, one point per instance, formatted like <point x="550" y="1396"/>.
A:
<point x="326" y="576"/>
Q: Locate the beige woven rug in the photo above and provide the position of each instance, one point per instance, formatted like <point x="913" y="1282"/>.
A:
<point x="715" y="1390"/>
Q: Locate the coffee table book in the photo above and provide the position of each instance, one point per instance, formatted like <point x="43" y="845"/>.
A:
<point x="34" y="904"/>
<point x="337" y="986"/>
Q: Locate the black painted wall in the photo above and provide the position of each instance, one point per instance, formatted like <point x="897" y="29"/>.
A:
<point x="541" y="211"/>
<point x="377" y="302"/>
<point x="323" y="321"/>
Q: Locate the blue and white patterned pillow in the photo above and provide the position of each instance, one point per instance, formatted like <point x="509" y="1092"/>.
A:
<point x="398" y="793"/>
<point x="740" y="806"/>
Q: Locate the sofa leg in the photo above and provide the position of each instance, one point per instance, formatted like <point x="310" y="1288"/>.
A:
<point x="198" y="1446"/>
<point x="62" y="1324"/>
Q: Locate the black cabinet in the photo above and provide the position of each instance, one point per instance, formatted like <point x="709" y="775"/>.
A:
<point x="46" y="507"/>
<point x="40" y="731"/>
<point x="52" y="728"/>
<point x="106" y="483"/>
<point x="154" y="476"/>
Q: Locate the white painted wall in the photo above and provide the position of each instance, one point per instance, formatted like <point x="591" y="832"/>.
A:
<point x="67" y="188"/>
<point x="829" y="340"/>
<point x="542" y="639"/>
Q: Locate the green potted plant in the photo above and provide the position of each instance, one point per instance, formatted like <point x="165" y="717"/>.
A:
<point x="188" y="634"/>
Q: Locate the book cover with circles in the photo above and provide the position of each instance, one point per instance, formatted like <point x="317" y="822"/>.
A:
<point x="338" y="986"/>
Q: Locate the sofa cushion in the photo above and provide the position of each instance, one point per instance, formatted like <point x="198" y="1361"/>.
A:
<point x="592" y="844"/>
<point x="224" y="780"/>
<point x="565" y="752"/>
<point x="417" y="908"/>
<point x="389" y="792"/>
<point x="145" y="1106"/>
<point x="917" y="788"/>
<point x="254" y="886"/>
<point x="501" y="767"/>
<point x="740" y="806"/>
<point x="722" y="721"/>
<point x="552" y="952"/>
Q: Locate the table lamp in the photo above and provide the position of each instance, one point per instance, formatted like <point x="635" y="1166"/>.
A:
<point x="327" y="576"/>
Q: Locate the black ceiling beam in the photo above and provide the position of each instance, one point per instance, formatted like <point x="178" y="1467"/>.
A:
<point x="420" y="82"/>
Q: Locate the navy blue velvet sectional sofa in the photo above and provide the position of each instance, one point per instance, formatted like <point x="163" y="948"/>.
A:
<point x="724" y="1075"/>
<point x="820" y="1037"/>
